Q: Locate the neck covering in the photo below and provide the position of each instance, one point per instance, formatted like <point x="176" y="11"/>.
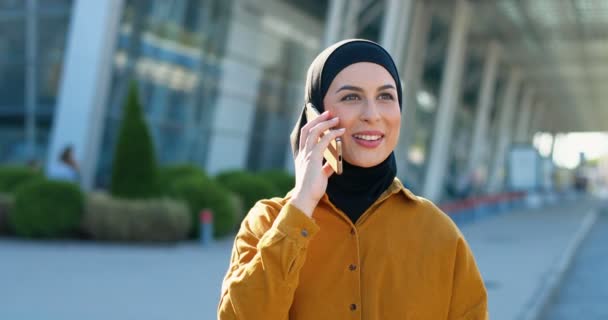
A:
<point x="357" y="188"/>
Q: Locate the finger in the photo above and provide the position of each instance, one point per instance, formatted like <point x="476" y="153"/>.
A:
<point x="328" y="171"/>
<point x="317" y="131"/>
<point x="306" y="128"/>
<point x="324" y="142"/>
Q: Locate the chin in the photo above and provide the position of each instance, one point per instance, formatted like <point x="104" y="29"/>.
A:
<point x="367" y="162"/>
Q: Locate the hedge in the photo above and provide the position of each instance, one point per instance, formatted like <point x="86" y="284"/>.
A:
<point x="282" y="181"/>
<point x="202" y="194"/>
<point x="6" y="205"/>
<point x="11" y="177"/>
<point x="115" y="219"/>
<point x="251" y="188"/>
<point x="168" y="175"/>
<point x="47" y="209"/>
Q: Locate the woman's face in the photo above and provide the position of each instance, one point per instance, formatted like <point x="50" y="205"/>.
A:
<point x="364" y="97"/>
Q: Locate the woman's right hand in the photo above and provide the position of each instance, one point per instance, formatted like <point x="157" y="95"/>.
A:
<point x="311" y="174"/>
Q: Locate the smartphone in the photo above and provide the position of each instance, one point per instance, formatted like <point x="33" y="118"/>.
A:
<point x="333" y="153"/>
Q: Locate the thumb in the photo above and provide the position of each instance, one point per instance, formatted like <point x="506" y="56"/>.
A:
<point x="327" y="170"/>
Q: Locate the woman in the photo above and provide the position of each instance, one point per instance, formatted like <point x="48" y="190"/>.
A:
<point x="67" y="168"/>
<point x="357" y="245"/>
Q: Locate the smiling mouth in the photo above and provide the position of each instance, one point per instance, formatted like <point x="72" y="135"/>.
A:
<point x="366" y="137"/>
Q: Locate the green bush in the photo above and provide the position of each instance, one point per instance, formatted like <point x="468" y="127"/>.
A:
<point x="13" y="176"/>
<point x="239" y="209"/>
<point x="170" y="174"/>
<point x="134" y="169"/>
<point x="46" y="209"/>
<point x="282" y="181"/>
<point x="206" y="194"/>
<point x="6" y="205"/>
<point x="249" y="187"/>
<point x="115" y="219"/>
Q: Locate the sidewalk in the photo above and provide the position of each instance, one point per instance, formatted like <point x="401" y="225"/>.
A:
<point x="583" y="292"/>
<point x="522" y="254"/>
<point x="80" y="280"/>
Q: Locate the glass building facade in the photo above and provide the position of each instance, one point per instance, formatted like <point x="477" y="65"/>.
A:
<point x="221" y="82"/>
<point x="32" y="42"/>
<point x="191" y="56"/>
<point x="172" y="50"/>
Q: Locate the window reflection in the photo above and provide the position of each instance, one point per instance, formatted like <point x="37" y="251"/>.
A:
<point x="51" y="18"/>
<point x="173" y="50"/>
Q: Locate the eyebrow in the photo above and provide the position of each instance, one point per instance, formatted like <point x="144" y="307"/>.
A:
<point x="353" y="88"/>
<point x="386" y="86"/>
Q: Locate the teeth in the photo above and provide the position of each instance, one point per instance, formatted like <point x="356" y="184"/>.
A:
<point x="368" y="138"/>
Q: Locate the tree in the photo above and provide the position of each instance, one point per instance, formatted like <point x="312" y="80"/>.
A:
<point x="134" y="169"/>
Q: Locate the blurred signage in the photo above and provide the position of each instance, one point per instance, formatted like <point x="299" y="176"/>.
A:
<point x="524" y="168"/>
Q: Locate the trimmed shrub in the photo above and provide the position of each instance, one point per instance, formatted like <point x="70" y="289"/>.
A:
<point x="45" y="209"/>
<point x="239" y="209"/>
<point x="6" y="205"/>
<point x="115" y="219"/>
<point x="170" y="174"/>
<point x="249" y="187"/>
<point x="206" y="194"/>
<point x="282" y="181"/>
<point x="12" y="177"/>
<point x="134" y="169"/>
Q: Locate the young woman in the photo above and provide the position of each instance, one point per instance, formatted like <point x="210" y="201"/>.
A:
<point x="357" y="245"/>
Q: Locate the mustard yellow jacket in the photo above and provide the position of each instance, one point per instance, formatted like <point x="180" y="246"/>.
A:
<point x="403" y="259"/>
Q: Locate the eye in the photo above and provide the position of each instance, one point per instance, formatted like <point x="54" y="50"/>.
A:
<point x="350" y="97"/>
<point x="386" y="96"/>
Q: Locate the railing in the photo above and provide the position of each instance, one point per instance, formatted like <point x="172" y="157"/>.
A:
<point x="471" y="209"/>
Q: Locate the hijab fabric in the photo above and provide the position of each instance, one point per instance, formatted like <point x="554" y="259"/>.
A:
<point x="357" y="188"/>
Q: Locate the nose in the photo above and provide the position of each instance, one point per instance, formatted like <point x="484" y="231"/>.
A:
<point x="370" y="112"/>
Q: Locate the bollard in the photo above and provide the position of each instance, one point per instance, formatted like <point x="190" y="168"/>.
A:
<point x="206" y="227"/>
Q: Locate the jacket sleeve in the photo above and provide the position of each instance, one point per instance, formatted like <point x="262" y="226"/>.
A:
<point x="265" y="264"/>
<point x="469" y="297"/>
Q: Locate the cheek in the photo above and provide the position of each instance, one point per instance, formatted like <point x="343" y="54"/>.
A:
<point x="393" y="127"/>
<point x="333" y="110"/>
<point x="345" y="114"/>
<point x="394" y="120"/>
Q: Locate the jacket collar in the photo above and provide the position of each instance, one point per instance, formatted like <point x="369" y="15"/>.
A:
<point x="395" y="187"/>
<point x="406" y="192"/>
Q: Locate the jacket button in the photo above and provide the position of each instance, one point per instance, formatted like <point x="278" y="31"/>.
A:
<point x="352" y="267"/>
<point x="304" y="233"/>
<point x="352" y="231"/>
<point x="353" y="307"/>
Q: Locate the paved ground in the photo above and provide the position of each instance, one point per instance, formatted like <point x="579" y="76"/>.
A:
<point x="516" y="252"/>
<point x="69" y="281"/>
<point x="584" y="290"/>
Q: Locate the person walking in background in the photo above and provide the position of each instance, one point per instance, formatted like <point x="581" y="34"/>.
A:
<point x="67" y="168"/>
<point x="357" y="245"/>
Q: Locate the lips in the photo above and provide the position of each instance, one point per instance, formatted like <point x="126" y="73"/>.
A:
<point x="368" y="139"/>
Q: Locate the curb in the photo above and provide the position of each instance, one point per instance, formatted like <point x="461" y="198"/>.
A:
<point x="551" y="282"/>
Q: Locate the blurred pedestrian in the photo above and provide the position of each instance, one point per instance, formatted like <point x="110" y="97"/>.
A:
<point x="67" y="168"/>
<point x="356" y="245"/>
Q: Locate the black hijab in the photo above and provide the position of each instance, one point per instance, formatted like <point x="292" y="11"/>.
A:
<point x="356" y="188"/>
